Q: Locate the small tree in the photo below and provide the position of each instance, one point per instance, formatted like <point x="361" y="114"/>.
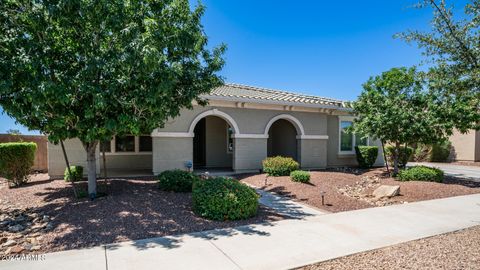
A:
<point x="394" y="107"/>
<point x="95" y="69"/>
<point x="452" y="48"/>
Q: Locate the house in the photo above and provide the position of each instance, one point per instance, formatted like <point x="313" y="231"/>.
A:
<point x="241" y="126"/>
<point x="465" y="147"/>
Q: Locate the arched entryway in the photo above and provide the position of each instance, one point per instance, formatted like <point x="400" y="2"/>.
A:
<point x="282" y="139"/>
<point x="213" y="143"/>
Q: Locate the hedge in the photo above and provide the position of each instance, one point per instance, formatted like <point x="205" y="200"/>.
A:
<point x="279" y="166"/>
<point x="77" y="174"/>
<point x="366" y="155"/>
<point x="176" y="180"/>
<point x="421" y="173"/>
<point x="300" y="176"/>
<point x="224" y="199"/>
<point x="16" y="159"/>
<point x="404" y="155"/>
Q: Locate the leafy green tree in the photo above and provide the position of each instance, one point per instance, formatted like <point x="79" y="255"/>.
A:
<point x="452" y="47"/>
<point x="394" y="107"/>
<point x="93" y="69"/>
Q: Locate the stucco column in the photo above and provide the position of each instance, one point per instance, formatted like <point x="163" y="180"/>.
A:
<point x="171" y="153"/>
<point x="249" y="153"/>
<point x="312" y="153"/>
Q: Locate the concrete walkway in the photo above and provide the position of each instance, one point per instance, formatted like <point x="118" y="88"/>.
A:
<point x="468" y="172"/>
<point x="277" y="245"/>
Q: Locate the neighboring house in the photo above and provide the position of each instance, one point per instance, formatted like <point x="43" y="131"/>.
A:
<point x="465" y="147"/>
<point x="241" y="126"/>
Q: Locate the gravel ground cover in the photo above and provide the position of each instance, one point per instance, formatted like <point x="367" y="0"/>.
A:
<point x="457" y="250"/>
<point x="349" y="189"/>
<point x="53" y="220"/>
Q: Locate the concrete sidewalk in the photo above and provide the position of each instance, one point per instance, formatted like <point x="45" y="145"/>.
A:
<point x="278" y="245"/>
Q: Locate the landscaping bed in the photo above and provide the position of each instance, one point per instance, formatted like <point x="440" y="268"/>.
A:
<point x="134" y="209"/>
<point x="457" y="250"/>
<point x="348" y="189"/>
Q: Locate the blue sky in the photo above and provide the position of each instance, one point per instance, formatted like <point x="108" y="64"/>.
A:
<point x="325" y="48"/>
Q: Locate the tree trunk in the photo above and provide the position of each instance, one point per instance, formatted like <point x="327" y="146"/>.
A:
<point x="90" y="147"/>
<point x="68" y="168"/>
<point x="385" y="157"/>
<point x="395" y="158"/>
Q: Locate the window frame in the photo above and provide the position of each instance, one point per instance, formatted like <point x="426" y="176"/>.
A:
<point x="354" y="137"/>
<point x="137" y="151"/>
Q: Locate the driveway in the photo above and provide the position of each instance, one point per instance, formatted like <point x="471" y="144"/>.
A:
<point x="284" y="244"/>
<point x="469" y="172"/>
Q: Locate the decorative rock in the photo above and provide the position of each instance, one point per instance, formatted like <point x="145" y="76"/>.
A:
<point x="386" y="191"/>
<point x="45" y="218"/>
<point x="16" y="228"/>
<point x="34" y="248"/>
<point x="14" y="250"/>
<point x="10" y="243"/>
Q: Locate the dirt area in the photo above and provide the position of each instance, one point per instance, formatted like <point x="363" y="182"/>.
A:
<point x="457" y="250"/>
<point x="134" y="209"/>
<point x="349" y="189"/>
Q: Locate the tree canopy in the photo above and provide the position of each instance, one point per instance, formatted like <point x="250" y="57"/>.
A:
<point x="395" y="107"/>
<point x="452" y="48"/>
<point x="92" y="69"/>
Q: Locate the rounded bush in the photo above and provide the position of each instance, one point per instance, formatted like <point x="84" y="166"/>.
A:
<point x="16" y="159"/>
<point x="279" y="166"/>
<point x="77" y="174"/>
<point x="224" y="199"/>
<point x="440" y="151"/>
<point x="404" y="155"/>
<point x="421" y="173"/>
<point x="366" y="155"/>
<point x="300" y="176"/>
<point x="176" y="180"/>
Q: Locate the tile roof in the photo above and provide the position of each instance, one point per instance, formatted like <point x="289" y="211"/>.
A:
<point x="244" y="93"/>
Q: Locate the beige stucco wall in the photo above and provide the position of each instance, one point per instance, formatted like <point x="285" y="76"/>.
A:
<point x="76" y="156"/>
<point x="171" y="153"/>
<point x="313" y="154"/>
<point x="216" y="143"/>
<point x="465" y="147"/>
<point x="249" y="154"/>
<point x="250" y="121"/>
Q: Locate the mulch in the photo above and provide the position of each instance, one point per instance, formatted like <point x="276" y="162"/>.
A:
<point x="133" y="209"/>
<point x="330" y="181"/>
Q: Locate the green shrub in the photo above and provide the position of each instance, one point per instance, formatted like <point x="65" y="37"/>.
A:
<point x="440" y="151"/>
<point x="77" y="174"/>
<point x="16" y="159"/>
<point x="224" y="199"/>
<point x="176" y="180"/>
<point x="421" y="173"/>
<point x="404" y="155"/>
<point x="300" y="176"/>
<point x="366" y="155"/>
<point x="279" y="166"/>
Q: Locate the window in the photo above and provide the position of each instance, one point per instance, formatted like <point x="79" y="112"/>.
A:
<point x="105" y="146"/>
<point x="145" y="144"/>
<point x="125" y="144"/>
<point x="346" y="139"/>
<point x="361" y="139"/>
<point x="229" y="139"/>
<point x="349" y="140"/>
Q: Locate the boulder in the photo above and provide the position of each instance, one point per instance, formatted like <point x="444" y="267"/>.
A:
<point x="386" y="191"/>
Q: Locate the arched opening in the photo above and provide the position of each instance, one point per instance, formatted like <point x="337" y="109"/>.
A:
<point x="282" y="139"/>
<point x="213" y="144"/>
